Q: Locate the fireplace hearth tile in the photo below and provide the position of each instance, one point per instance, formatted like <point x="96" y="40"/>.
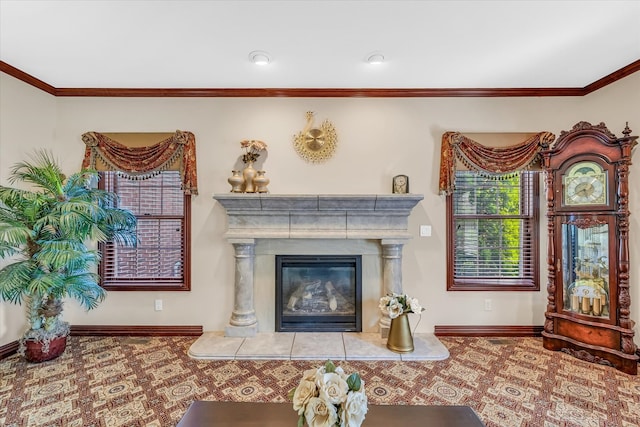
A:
<point x="312" y="346"/>
<point x="269" y="346"/>
<point x="318" y="346"/>
<point x="426" y="347"/>
<point x="214" y="345"/>
<point x="363" y="346"/>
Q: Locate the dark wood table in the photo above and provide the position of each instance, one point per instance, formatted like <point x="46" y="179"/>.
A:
<point x="239" y="414"/>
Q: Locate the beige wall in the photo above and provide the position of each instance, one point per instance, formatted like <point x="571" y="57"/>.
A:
<point x="27" y="119"/>
<point x="378" y="138"/>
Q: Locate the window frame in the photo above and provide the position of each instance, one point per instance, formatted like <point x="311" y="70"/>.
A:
<point x="505" y="284"/>
<point x="137" y="284"/>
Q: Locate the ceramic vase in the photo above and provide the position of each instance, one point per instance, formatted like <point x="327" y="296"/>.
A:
<point x="236" y="180"/>
<point x="248" y="174"/>
<point x="400" y="339"/>
<point x="260" y="182"/>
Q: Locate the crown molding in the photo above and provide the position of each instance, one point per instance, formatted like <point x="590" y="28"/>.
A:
<point x="27" y="78"/>
<point x="613" y="77"/>
<point x="319" y="92"/>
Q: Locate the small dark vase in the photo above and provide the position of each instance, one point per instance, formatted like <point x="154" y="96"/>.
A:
<point x="34" y="349"/>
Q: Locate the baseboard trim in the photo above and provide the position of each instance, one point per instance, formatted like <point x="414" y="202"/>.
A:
<point x="9" y="349"/>
<point x="111" y="330"/>
<point x="130" y="330"/>
<point x="488" y="331"/>
<point x="118" y="330"/>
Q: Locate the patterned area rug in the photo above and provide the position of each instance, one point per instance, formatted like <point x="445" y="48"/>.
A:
<point x="150" y="381"/>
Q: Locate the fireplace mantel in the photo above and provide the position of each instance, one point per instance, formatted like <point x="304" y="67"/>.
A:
<point x="382" y="217"/>
<point x="274" y="216"/>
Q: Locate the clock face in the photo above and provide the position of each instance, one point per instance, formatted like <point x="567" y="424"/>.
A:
<point x="585" y="184"/>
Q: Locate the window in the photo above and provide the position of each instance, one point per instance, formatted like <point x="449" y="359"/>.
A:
<point x="492" y="232"/>
<point x="161" y="259"/>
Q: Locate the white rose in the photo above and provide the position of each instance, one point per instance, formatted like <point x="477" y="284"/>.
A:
<point x="342" y="373"/>
<point x="333" y="388"/>
<point x="384" y="302"/>
<point x="395" y="309"/>
<point x="305" y="391"/>
<point x="320" y="413"/>
<point x="354" y="410"/>
<point x="414" y="305"/>
<point x="309" y="374"/>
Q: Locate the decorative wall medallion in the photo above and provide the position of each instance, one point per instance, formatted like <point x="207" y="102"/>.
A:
<point x="316" y="145"/>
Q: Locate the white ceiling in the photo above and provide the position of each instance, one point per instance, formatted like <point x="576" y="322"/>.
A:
<point x="319" y="44"/>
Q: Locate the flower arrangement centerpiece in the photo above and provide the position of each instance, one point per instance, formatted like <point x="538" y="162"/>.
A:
<point x="252" y="148"/>
<point x="328" y="397"/>
<point x="394" y="305"/>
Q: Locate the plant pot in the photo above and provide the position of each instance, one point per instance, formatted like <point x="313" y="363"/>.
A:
<point x="34" y="350"/>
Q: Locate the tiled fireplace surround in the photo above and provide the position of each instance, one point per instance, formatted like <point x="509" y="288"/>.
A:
<point x="261" y="226"/>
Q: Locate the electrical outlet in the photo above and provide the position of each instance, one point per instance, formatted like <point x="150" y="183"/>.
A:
<point x="487" y="305"/>
<point x="425" y="230"/>
<point x="158" y="305"/>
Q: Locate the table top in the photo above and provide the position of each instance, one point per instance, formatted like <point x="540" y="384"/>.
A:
<point x="243" y="414"/>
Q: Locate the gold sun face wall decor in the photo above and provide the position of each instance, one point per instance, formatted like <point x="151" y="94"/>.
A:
<point x="316" y="144"/>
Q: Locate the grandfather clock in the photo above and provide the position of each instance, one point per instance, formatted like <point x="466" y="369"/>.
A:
<point x="587" y="188"/>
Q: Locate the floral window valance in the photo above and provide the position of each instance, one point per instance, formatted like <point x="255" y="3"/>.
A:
<point x="487" y="160"/>
<point x="143" y="155"/>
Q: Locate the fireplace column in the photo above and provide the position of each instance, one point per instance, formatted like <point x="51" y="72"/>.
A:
<point x="391" y="275"/>
<point x="243" y="322"/>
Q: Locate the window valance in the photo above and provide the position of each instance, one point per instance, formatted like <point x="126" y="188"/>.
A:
<point x="143" y="155"/>
<point x="487" y="160"/>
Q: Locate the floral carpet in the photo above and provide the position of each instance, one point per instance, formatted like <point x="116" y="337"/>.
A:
<point x="150" y="381"/>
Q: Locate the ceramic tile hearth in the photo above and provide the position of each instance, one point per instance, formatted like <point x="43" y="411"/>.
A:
<point x="312" y="346"/>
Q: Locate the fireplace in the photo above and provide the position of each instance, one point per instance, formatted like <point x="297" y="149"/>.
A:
<point x="318" y="293"/>
<point x="258" y="221"/>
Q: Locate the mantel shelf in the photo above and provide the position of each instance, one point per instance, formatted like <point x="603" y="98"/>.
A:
<point x="325" y="216"/>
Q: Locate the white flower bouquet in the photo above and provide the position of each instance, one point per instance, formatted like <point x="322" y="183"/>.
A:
<point x="394" y="305"/>
<point x="328" y="397"/>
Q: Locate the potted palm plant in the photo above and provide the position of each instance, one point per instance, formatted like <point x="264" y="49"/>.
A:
<point x="47" y="234"/>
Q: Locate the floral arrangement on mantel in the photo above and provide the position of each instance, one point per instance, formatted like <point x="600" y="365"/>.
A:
<point x="328" y="397"/>
<point x="252" y="148"/>
<point x="394" y="305"/>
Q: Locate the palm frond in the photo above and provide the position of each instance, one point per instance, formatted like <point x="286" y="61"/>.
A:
<point x="85" y="289"/>
<point x="49" y="283"/>
<point x="65" y="255"/>
<point x="7" y="251"/>
<point x="15" y="279"/>
<point x="21" y="205"/>
<point x="43" y="172"/>
<point x="81" y="183"/>
<point x="14" y="234"/>
<point x="120" y="226"/>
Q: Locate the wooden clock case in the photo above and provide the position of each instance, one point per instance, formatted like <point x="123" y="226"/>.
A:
<point x="590" y="322"/>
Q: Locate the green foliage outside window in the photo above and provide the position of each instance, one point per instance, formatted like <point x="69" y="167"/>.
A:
<point x="491" y="226"/>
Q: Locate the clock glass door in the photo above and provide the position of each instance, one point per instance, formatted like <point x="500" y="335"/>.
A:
<point x="585" y="268"/>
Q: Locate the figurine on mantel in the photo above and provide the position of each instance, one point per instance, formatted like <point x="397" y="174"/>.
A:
<point x="249" y="180"/>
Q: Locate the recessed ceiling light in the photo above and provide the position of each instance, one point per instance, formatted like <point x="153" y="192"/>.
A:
<point x="375" y="58"/>
<point x="259" y="57"/>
